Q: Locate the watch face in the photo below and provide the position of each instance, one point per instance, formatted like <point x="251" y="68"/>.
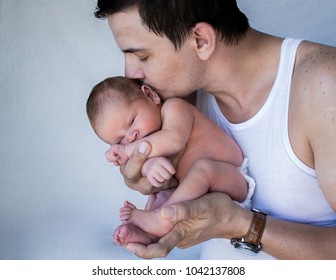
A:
<point x="245" y="248"/>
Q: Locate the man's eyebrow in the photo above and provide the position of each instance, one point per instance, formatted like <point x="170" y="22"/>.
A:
<point x="132" y="50"/>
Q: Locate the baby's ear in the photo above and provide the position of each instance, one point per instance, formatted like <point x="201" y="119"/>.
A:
<point x="148" y="92"/>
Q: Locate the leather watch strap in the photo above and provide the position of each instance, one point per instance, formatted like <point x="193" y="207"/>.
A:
<point x="256" y="229"/>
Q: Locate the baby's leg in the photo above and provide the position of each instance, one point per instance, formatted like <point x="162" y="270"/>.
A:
<point x="204" y="176"/>
<point x="207" y="175"/>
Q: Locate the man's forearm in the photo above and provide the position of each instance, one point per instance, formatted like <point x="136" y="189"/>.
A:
<point x="288" y="240"/>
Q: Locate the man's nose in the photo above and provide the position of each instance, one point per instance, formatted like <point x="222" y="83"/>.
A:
<point x="132" y="70"/>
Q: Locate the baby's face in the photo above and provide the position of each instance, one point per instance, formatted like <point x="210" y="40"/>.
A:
<point x="124" y="123"/>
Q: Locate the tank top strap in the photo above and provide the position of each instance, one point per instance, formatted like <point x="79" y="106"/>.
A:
<point x="286" y="66"/>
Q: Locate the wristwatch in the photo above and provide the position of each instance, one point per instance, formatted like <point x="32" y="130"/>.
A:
<point x="251" y="242"/>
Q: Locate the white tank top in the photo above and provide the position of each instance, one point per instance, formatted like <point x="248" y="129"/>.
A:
<point x="286" y="188"/>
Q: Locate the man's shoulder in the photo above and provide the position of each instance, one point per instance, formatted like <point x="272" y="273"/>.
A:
<point x="314" y="77"/>
<point x="313" y="89"/>
<point x="315" y="60"/>
<point x="313" y="99"/>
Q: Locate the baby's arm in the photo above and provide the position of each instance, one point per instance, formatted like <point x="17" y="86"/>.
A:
<point x="177" y="123"/>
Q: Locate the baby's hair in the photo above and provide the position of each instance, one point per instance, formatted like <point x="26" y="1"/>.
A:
<point x="109" y="91"/>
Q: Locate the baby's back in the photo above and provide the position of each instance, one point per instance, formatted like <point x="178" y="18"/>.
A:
<point x="208" y="141"/>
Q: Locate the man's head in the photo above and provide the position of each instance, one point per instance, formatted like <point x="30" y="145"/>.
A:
<point x="172" y="45"/>
<point x="175" y="19"/>
<point x="121" y="110"/>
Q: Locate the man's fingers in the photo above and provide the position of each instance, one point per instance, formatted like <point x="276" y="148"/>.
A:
<point x="181" y="211"/>
<point x="132" y="170"/>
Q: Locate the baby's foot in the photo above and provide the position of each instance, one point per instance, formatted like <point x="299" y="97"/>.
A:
<point x="149" y="221"/>
<point x="129" y="233"/>
<point x="125" y="211"/>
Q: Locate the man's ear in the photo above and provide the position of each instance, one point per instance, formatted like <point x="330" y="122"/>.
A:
<point x="205" y="37"/>
<point x="148" y="92"/>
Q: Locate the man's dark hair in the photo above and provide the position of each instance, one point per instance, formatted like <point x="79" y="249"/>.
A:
<point x="174" y="19"/>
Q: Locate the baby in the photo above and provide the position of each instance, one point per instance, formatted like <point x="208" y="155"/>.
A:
<point x="185" y="144"/>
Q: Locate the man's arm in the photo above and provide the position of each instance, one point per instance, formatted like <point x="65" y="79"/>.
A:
<point x="314" y="83"/>
<point x="321" y="120"/>
<point x="312" y="117"/>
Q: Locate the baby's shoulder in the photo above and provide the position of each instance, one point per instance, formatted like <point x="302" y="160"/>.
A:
<point x="177" y="104"/>
<point x="176" y="101"/>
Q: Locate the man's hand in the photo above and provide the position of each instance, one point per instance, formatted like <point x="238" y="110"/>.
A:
<point x="213" y="215"/>
<point x="131" y="171"/>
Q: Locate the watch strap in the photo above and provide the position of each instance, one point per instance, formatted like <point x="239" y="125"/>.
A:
<point x="256" y="228"/>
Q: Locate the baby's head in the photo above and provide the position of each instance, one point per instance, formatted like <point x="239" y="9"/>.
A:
<point x="122" y="110"/>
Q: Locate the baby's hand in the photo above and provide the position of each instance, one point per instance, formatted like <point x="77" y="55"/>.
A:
<point x="117" y="155"/>
<point x="158" y="170"/>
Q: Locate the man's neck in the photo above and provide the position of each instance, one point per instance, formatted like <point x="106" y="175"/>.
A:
<point x="242" y="75"/>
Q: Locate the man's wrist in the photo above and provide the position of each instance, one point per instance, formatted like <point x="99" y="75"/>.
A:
<point x="251" y="241"/>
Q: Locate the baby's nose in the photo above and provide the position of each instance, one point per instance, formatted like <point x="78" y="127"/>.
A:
<point x="133" y="136"/>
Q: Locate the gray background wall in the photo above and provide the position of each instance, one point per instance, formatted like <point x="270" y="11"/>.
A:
<point x="59" y="199"/>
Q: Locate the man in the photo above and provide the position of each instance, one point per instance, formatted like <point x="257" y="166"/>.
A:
<point x="277" y="99"/>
